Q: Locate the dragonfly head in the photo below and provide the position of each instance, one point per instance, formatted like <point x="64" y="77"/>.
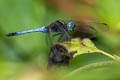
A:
<point x="70" y="25"/>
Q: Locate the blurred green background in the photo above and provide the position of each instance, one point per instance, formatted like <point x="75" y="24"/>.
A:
<point x="30" y="51"/>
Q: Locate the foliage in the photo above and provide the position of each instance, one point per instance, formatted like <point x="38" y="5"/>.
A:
<point x="25" y="57"/>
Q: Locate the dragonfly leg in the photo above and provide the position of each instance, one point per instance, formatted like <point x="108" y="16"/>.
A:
<point x="64" y="32"/>
<point x="51" y="38"/>
<point x="46" y="39"/>
<point x="67" y="36"/>
<point x="60" y="37"/>
<point x="56" y="34"/>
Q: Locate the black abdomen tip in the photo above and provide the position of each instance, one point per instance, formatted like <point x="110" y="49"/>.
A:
<point x="11" y="34"/>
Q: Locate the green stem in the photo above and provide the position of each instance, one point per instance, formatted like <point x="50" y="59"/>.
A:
<point x="92" y="66"/>
<point x="110" y="56"/>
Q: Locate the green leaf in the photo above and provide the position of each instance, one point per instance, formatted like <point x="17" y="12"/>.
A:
<point x="85" y="46"/>
<point x="81" y="46"/>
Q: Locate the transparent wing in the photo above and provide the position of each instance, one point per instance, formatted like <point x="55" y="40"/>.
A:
<point x="88" y="30"/>
<point x="103" y="27"/>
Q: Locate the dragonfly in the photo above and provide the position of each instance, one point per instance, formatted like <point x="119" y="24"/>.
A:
<point x="66" y="30"/>
<point x="59" y="27"/>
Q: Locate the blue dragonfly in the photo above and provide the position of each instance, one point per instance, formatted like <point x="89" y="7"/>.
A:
<point x="59" y="27"/>
<point x="66" y="30"/>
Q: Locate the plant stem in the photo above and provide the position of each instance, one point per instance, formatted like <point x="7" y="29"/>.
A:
<point x="110" y="56"/>
<point x="91" y="66"/>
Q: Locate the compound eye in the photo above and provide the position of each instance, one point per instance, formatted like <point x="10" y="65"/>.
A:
<point x="70" y="25"/>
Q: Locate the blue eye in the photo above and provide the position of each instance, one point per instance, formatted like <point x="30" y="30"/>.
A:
<point x="70" y="25"/>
